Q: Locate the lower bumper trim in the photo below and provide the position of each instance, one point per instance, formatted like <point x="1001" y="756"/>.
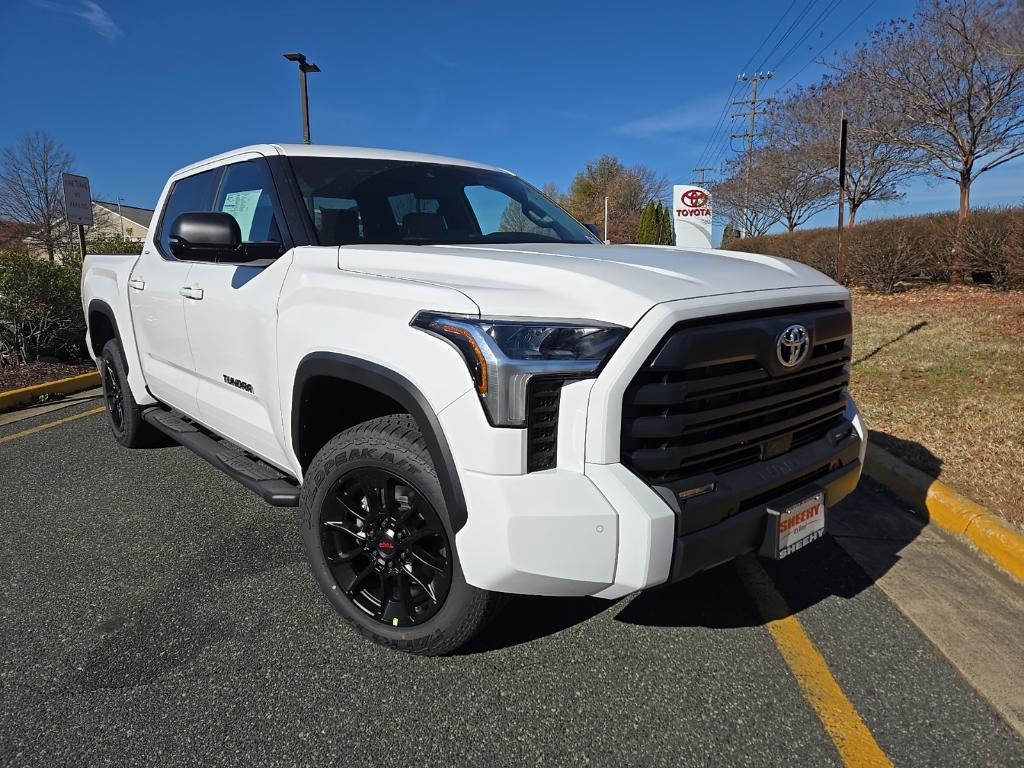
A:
<point x="744" y="532"/>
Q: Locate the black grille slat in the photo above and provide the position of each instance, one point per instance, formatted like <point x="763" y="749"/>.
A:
<point x="715" y="414"/>
<point x="671" y="456"/>
<point x="671" y="393"/>
<point x="674" y="425"/>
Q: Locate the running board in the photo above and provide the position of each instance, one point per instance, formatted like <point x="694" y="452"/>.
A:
<point x="273" y="485"/>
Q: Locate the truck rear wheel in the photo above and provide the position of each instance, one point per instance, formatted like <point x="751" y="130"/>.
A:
<point x="377" y="538"/>
<point x="125" y="414"/>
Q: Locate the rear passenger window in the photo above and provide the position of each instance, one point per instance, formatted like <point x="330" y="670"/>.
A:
<point x="193" y="194"/>
<point x="246" y="194"/>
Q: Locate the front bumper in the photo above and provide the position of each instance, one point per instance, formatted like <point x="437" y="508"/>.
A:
<point x="593" y="527"/>
<point x="607" y="533"/>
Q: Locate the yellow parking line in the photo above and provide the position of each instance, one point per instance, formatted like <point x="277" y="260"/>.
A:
<point x="853" y="740"/>
<point x="57" y="423"/>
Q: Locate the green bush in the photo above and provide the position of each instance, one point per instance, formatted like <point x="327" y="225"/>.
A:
<point x="881" y="254"/>
<point x="40" y="308"/>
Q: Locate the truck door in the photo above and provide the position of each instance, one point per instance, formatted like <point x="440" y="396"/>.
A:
<point x="231" y="318"/>
<point x="156" y="296"/>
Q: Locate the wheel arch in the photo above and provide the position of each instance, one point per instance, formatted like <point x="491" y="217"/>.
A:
<point x="383" y="383"/>
<point x="102" y="326"/>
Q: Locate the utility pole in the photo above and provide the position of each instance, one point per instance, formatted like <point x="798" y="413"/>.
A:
<point x="606" y="219"/>
<point x="702" y="171"/>
<point x="840" y="258"/>
<point x="304" y="67"/>
<point x="751" y="133"/>
<point x="120" y="215"/>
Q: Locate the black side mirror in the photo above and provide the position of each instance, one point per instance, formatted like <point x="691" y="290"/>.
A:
<point x="594" y="230"/>
<point x="204" y="236"/>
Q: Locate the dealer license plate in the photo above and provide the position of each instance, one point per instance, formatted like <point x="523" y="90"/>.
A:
<point x="800" y="524"/>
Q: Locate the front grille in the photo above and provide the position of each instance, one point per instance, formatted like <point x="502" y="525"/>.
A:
<point x="713" y="396"/>
<point x="542" y="398"/>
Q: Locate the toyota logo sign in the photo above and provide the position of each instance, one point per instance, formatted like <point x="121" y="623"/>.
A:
<point x="691" y="216"/>
<point x="694" y="198"/>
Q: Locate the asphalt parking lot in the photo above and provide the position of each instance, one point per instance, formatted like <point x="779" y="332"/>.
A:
<point x="154" y="612"/>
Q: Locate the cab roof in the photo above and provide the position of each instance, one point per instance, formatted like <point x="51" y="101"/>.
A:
<point x="329" y="150"/>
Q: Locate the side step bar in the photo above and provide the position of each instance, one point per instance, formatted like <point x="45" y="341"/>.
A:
<point x="273" y="485"/>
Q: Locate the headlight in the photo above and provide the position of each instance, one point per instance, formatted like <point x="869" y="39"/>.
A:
<point x="504" y="354"/>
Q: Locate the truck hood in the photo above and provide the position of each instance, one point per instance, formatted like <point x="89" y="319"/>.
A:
<point x="613" y="283"/>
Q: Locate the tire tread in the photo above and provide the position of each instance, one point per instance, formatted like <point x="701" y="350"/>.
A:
<point x="400" y="433"/>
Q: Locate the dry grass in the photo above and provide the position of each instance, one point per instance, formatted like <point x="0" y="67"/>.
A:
<point x="938" y="373"/>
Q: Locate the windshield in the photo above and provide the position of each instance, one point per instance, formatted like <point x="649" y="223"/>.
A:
<point x="352" y="201"/>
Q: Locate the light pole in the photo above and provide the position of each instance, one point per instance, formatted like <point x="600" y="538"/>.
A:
<point x="304" y="67"/>
<point x="606" y="219"/>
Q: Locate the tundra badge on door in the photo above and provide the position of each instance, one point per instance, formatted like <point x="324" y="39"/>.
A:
<point x="243" y="385"/>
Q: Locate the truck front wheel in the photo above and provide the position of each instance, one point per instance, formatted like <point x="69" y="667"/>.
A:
<point x="377" y="538"/>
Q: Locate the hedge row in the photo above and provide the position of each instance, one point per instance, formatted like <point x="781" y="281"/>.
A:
<point x="882" y="254"/>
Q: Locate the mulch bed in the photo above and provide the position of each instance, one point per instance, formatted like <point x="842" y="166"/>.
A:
<point x="20" y="376"/>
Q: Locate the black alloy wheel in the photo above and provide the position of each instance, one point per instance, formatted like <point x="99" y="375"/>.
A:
<point x="386" y="547"/>
<point x="113" y="395"/>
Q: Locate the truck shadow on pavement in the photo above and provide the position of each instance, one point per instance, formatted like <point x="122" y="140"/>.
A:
<point x="198" y="607"/>
<point x="192" y="609"/>
<point x="868" y="532"/>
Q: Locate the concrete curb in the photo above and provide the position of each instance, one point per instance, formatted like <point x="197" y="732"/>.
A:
<point x="12" y="398"/>
<point x="949" y="510"/>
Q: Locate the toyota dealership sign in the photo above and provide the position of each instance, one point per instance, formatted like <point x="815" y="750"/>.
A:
<point x="691" y="216"/>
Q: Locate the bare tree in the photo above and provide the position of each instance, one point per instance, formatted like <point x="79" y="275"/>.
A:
<point x="809" y="121"/>
<point x="960" y="97"/>
<point x="792" y="183"/>
<point x="1013" y="43"/>
<point x="746" y="208"/>
<point x="628" y="191"/>
<point x="551" y="191"/>
<point x="30" y="187"/>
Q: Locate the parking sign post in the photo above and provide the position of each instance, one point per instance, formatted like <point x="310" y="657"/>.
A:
<point x="78" y="204"/>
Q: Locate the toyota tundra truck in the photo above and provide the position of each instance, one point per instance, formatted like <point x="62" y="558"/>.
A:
<point x="464" y="392"/>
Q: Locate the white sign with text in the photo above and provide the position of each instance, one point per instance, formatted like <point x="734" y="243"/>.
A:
<point x="691" y="216"/>
<point x="77" y="199"/>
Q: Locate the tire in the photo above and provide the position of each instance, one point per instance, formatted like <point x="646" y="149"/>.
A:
<point x="125" y="414"/>
<point x="379" y="543"/>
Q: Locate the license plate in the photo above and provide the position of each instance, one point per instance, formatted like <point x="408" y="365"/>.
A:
<point x="800" y="524"/>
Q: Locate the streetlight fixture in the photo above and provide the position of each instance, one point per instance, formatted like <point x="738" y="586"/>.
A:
<point x="304" y="67"/>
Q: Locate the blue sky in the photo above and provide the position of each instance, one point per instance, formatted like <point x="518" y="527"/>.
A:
<point x="138" y="89"/>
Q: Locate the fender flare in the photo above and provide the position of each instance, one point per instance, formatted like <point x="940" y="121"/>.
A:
<point x="405" y="393"/>
<point x="103" y="308"/>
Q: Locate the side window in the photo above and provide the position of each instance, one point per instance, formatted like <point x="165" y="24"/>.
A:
<point x="246" y="193"/>
<point x="193" y="194"/>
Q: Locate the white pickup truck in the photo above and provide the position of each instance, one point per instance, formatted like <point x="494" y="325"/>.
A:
<point x="464" y="392"/>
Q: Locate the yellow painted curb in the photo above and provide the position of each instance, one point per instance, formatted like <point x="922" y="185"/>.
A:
<point x="949" y="510"/>
<point x="12" y="398"/>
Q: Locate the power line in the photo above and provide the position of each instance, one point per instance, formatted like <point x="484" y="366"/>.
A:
<point x="710" y="146"/>
<point x="826" y="12"/>
<point x="718" y="124"/>
<point x="768" y="36"/>
<point x="721" y="133"/>
<point x="789" y="30"/>
<point x="842" y="32"/>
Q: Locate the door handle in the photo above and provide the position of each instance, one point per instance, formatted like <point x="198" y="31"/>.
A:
<point x="190" y="292"/>
<point x="137" y="284"/>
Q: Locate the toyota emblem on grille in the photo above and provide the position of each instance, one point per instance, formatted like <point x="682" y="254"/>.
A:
<point x="793" y="345"/>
